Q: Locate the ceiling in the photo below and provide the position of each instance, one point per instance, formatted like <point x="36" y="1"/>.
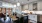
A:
<point x="21" y="1"/>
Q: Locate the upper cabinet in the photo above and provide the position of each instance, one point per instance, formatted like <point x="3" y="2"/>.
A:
<point x="35" y="7"/>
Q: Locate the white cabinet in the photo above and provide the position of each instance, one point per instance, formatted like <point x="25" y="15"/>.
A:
<point x="33" y="18"/>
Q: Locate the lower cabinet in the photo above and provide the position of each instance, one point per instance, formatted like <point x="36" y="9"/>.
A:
<point x="25" y="19"/>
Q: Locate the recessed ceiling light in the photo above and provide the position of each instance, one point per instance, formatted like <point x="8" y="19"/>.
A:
<point x="14" y="5"/>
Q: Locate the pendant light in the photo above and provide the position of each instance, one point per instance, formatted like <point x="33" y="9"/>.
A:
<point x="18" y="4"/>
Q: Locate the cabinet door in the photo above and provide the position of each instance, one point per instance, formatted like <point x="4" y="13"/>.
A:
<point x="33" y="17"/>
<point x="40" y="18"/>
<point x="25" y="19"/>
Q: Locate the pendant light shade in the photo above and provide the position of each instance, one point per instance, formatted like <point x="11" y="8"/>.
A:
<point x="18" y="4"/>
